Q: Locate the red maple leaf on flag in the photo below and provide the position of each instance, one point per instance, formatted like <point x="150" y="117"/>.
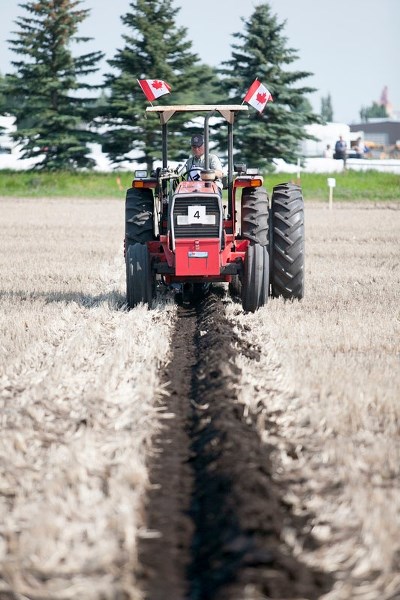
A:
<point x="261" y="98"/>
<point x="154" y="88"/>
<point x="257" y="95"/>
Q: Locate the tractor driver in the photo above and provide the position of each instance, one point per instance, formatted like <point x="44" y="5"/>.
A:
<point x="196" y="163"/>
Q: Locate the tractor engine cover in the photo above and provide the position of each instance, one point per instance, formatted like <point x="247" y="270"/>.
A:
<point x="196" y="232"/>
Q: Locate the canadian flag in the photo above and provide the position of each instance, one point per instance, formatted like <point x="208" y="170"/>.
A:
<point x="154" y="88"/>
<point x="258" y="95"/>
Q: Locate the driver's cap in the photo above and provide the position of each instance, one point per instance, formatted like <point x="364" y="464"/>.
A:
<point x="197" y="140"/>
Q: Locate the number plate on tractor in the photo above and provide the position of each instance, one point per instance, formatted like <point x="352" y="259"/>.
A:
<point x="196" y="215"/>
<point x="197" y="254"/>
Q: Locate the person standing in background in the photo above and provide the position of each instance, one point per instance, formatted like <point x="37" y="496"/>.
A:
<point x="341" y="150"/>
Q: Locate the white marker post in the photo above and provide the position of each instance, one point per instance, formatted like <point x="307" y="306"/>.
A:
<point x="331" y="185"/>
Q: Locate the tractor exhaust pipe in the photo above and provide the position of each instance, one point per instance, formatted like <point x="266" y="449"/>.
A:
<point x="206" y="139"/>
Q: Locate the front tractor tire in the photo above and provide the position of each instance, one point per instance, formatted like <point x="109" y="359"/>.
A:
<point x="287" y="241"/>
<point x="255" y="280"/>
<point x="255" y="210"/>
<point x="139" y="216"/>
<point x="139" y="277"/>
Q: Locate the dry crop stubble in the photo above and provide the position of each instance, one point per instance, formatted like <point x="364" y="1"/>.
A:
<point x="326" y="396"/>
<point x="79" y="387"/>
<point x="79" y="384"/>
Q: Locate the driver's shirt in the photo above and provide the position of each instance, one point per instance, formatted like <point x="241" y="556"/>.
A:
<point x="195" y="164"/>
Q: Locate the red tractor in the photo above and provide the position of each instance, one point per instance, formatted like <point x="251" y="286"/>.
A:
<point x="183" y="232"/>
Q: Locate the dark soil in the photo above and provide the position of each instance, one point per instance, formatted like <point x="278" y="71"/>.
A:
<point x="218" y="511"/>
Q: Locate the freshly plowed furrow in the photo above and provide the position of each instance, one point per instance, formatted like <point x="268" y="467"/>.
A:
<point x="165" y="547"/>
<point x="215" y="506"/>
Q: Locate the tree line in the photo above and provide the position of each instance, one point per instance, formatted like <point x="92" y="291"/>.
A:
<point x="58" y="112"/>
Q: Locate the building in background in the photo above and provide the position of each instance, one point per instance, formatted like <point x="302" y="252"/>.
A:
<point x="383" y="132"/>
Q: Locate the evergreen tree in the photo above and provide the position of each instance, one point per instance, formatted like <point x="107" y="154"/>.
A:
<point x="9" y="101"/>
<point x="3" y="107"/>
<point x="261" y="52"/>
<point x="326" y="109"/>
<point x="304" y="106"/>
<point x="3" y="104"/>
<point x="155" y="48"/>
<point x="52" y="119"/>
<point x="375" y="111"/>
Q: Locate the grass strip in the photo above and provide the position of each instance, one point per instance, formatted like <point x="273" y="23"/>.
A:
<point x="350" y="185"/>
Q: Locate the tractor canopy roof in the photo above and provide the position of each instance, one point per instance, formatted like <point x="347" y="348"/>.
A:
<point x="226" y="110"/>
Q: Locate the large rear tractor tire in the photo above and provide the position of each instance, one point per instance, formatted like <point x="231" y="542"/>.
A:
<point x="255" y="211"/>
<point x="139" y="216"/>
<point x="140" y="281"/>
<point x="255" y="282"/>
<point x="287" y="241"/>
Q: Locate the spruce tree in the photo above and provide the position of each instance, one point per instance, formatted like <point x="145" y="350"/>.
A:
<point x="52" y="118"/>
<point x="3" y="103"/>
<point x="261" y="52"/>
<point x="155" y="48"/>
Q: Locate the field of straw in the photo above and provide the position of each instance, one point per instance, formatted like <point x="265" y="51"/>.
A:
<point x="80" y="400"/>
<point x="330" y="381"/>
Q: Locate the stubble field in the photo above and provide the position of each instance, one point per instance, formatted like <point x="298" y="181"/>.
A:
<point x="83" y="397"/>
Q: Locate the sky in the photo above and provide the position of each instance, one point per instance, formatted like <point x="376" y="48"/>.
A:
<point x="351" y="47"/>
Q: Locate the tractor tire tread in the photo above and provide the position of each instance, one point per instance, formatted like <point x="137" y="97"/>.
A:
<point x="139" y="216"/>
<point x="255" y="209"/>
<point x="287" y="241"/>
